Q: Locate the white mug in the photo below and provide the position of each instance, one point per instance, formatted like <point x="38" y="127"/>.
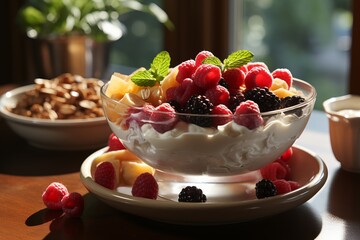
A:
<point x="344" y="125"/>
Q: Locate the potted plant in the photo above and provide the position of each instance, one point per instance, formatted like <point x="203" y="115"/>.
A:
<point x="74" y="35"/>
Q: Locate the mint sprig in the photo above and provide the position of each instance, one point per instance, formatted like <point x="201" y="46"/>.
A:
<point x="234" y="60"/>
<point x="159" y="68"/>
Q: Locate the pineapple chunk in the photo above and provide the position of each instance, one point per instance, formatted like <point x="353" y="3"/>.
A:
<point x="131" y="170"/>
<point x="119" y="155"/>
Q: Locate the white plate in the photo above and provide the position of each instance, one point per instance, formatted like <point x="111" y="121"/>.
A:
<point x="307" y="168"/>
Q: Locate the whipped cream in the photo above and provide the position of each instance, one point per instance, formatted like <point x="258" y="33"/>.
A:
<point x="227" y="150"/>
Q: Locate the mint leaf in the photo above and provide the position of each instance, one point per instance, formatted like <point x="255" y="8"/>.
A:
<point x="213" y="60"/>
<point x="238" y="59"/>
<point x="161" y="64"/>
<point x="144" y="78"/>
<point x="158" y="70"/>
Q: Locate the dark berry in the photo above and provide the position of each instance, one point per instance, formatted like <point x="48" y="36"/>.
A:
<point x="223" y="83"/>
<point x="199" y="104"/>
<point x="235" y="100"/>
<point x="266" y="99"/>
<point x="175" y="105"/>
<point x="192" y="194"/>
<point x="265" y="188"/>
<point x="292" y="101"/>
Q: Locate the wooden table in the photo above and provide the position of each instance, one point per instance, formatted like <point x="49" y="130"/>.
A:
<point x="333" y="213"/>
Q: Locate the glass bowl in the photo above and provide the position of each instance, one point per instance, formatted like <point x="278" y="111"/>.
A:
<point x="174" y="147"/>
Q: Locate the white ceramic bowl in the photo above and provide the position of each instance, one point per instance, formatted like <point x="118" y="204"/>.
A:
<point x="228" y="150"/>
<point x="72" y="134"/>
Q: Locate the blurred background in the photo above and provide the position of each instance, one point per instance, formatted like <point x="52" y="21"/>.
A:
<point x="311" y="38"/>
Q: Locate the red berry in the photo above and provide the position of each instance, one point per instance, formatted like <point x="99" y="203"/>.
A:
<point x="286" y="156"/>
<point x="282" y="186"/>
<point x="274" y="171"/>
<point x="294" y="185"/>
<point x="53" y="194"/>
<point x="283" y="74"/>
<point x="258" y="77"/>
<point x="105" y="175"/>
<point x="185" y="70"/>
<point x="73" y="204"/>
<point x="185" y="90"/>
<point x="140" y="116"/>
<point x="207" y="76"/>
<point x="114" y="143"/>
<point x="218" y="95"/>
<point x="201" y="56"/>
<point x="252" y="65"/>
<point x="234" y="77"/>
<point x="221" y="109"/>
<point x="248" y="114"/>
<point x="145" y="186"/>
<point x="163" y="118"/>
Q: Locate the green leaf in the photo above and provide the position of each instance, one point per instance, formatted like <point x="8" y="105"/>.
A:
<point x="144" y="78"/>
<point x="238" y="59"/>
<point x="160" y="65"/>
<point x="213" y="60"/>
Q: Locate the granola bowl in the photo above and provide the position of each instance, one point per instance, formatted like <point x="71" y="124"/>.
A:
<point x="174" y="147"/>
<point x="54" y="134"/>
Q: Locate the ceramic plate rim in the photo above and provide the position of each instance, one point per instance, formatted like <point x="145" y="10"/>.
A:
<point x="123" y="201"/>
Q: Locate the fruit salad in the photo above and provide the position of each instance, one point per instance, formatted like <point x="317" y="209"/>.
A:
<point x="207" y="116"/>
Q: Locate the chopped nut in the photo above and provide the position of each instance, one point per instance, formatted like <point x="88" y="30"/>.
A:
<point x="64" y="97"/>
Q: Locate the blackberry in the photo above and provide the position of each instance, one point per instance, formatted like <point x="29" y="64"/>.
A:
<point x="192" y="194"/>
<point x="235" y="100"/>
<point x="266" y="99"/>
<point x="265" y="188"/>
<point x="199" y="104"/>
<point x="292" y="101"/>
<point x="175" y="105"/>
<point x="223" y="83"/>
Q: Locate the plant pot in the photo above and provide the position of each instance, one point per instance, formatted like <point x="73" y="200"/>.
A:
<point x="69" y="54"/>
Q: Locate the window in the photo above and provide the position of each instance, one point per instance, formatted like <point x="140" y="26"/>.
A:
<point x="311" y="38"/>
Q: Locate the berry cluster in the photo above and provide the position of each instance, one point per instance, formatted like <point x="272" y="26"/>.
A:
<point x="208" y="93"/>
<point x="57" y="197"/>
<point x="276" y="177"/>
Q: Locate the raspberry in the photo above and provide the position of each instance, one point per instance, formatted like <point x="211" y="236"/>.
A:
<point x="282" y="186"/>
<point x="218" y="95"/>
<point x="252" y="65"/>
<point x="234" y="77"/>
<point x="140" y="116"/>
<point x="201" y="56"/>
<point x="274" y="171"/>
<point x="192" y="194"/>
<point x="105" y="175"/>
<point x="258" y="77"/>
<point x="53" y="194"/>
<point x="286" y="156"/>
<point x="265" y="188"/>
<point x="163" y="118"/>
<point x="185" y="90"/>
<point x="185" y="70"/>
<point x="294" y="185"/>
<point x="73" y="204"/>
<point x="207" y="76"/>
<point x="145" y="186"/>
<point x="248" y="114"/>
<point x="284" y="74"/>
<point x="221" y="110"/>
<point x="114" y="143"/>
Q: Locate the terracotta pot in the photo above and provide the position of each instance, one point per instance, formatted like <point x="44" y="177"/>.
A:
<point x="71" y="54"/>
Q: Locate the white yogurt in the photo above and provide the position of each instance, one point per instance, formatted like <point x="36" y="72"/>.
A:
<point x="230" y="149"/>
